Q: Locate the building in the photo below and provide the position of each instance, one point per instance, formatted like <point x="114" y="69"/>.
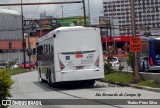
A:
<point x="10" y="36"/>
<point x="147" y="14"/>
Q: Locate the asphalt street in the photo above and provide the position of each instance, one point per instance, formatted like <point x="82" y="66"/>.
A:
<point x="27" y="86"/>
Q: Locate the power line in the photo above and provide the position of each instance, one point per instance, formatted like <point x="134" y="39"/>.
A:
<point x="59" y="8"/>
<point x="36" y="9"/>
<point x="26" y="9"/>
<point x="43" y="3"/>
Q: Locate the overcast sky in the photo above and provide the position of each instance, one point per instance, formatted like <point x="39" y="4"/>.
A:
<point x="96" y="8"/>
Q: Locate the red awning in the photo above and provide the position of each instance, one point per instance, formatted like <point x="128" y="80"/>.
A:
<point x="116" y="39"/>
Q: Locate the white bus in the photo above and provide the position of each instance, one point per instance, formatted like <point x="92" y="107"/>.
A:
<point x="70" y="54"/>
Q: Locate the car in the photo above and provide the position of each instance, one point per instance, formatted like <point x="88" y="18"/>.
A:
<point x="115" y="62"/>
<point x="2" y="67"/>
<point x="28" y="65"/>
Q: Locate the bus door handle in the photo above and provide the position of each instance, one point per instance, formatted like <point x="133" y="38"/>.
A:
<point x="96" y="70"/>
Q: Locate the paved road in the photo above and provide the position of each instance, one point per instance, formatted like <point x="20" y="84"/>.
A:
<point x="27" y="86"/>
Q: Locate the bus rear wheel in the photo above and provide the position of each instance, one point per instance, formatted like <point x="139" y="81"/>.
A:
<point x="49" y="80"/>
<point x="89" y="82"/>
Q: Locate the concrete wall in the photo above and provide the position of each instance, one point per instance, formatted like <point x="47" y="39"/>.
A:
<point x="150" y="76"/>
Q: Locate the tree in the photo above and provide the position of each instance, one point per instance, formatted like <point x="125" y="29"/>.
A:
<point x="5" y="85"/>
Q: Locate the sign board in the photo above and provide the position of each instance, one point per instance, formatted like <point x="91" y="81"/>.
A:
<point x="72" y="21"/>
<point x="94" y="20"/>
<point x="135" y="45"/>
<point x="104" y="21"/>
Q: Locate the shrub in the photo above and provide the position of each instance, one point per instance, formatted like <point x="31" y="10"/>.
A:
<point x="5" y="85"/>
<point x="130" y="58"/>
<point x="120" y="68"/>
<point x="108" y="68"/>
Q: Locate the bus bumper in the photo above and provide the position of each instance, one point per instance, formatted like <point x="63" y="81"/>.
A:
<point x="154" y="68"/>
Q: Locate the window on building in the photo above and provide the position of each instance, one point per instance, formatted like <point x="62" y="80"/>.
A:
<point x="153" y="17"/>
<point x="154" y="26"/>
<point x="153" y="9"/>
<point x="158" y="25"/>
<point x="157" y="9"/>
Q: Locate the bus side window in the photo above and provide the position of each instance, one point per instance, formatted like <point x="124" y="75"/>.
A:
<point x="52" y="53"/>
<point x="39" y="50"/>
<point x="44" y="48"/>
<point x="49" y="49"/>
<point x="52" y="49"/>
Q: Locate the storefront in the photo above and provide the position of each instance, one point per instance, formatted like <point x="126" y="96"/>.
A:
<point x="119" y="43"/>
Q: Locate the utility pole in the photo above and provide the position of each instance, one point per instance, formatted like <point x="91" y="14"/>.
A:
<point x="62" y="11"/>
<point x="29" y="52"/>
<point x="89" y="15"/>
<point x="84" y="11"/>
<point x="136" y="69"/>
<point x="23" y="43"/>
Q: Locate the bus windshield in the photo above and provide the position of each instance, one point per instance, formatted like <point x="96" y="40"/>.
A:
<point x="157" y="46"/>
<point x="77" y="41"/>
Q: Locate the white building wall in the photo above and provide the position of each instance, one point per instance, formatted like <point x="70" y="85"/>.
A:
<point x="147" y="13"/>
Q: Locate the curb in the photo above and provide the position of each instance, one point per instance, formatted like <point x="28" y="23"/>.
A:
<point x="134" y="86"/>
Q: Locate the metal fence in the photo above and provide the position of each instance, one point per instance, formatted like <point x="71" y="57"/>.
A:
<point x="8" y="57"/>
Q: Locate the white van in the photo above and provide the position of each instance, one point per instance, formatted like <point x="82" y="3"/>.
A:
<point x="70" y="54"/>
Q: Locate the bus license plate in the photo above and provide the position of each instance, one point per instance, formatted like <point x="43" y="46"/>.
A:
<point x="79" y="67"/>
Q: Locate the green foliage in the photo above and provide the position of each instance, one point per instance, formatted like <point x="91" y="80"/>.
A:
<point x="5" y="85"/>
<point x="17" y="71"/>
<point x="120" y="68"/>
<point x="120" y="77"/>
<point x="107" y="65"/>
<point x="130" y="58"/>
<point x="107" y="68"/>
<point x="8" y="65"/>
<point x="150" y="83"/>
<point x="110" y="52"/>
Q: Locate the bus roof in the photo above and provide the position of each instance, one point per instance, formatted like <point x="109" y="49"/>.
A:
<point x="69" y="28"/>
<point x="63" y="29"/>
<point x="143" y="38"/>
<point x="154" y="38"/>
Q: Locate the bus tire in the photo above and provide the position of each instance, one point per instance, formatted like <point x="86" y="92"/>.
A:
<point x="91" y="82"/>
<point x="41" y="80"/>
<point x="49" y="80"/>
<point x="143" y="68"/>
<point x="40" y="77"/>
